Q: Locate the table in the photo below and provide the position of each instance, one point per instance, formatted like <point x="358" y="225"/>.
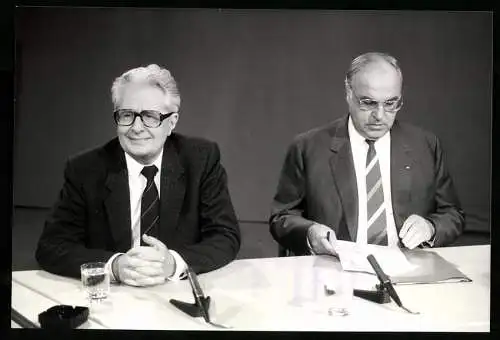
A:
<point x="262" y="294"/>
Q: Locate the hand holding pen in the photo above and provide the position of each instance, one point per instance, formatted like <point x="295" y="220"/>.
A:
<point x="321" y="240"/>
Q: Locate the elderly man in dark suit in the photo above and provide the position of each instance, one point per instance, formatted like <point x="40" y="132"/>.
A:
<point x="366" y="177"/>
<point x="149" y="202"/>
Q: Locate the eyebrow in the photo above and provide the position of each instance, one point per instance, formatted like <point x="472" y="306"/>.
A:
<point x="369" y="98"/>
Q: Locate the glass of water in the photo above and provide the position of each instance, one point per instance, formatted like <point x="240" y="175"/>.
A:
<point x="338" y="293"/>
<point x="95" y="280"/>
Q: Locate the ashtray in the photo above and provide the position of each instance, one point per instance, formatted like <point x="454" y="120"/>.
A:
<point x="63" y="317"/>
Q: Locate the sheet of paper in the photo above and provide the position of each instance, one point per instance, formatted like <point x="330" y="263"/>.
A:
<point x="353" y="258"/>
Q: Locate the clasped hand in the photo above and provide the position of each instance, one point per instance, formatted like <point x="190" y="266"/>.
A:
<point x="146" y="265"/>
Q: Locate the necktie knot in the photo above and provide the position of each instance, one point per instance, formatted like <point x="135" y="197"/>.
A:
<point x="370" y="142"/>
<point x="149" y="172"/>
<point x="371" y="150"/>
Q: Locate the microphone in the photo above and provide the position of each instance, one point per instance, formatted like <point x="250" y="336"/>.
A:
<point x="386" y="283"/>
<point x="202" y="302"/>
<point x="200" y="298"/>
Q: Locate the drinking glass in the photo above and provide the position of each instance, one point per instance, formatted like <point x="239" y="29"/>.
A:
<point x="338" y="293"/>
<point x="95" y="281"/>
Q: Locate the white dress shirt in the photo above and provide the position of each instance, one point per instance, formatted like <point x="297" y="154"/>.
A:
<point x="359" y="149"/>
<point x="137" y="183"/>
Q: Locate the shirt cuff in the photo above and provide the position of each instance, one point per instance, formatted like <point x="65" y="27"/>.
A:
<point x="180" y="267"/>
<point x="109" y="269"/>
<point x="311" y="251"/>
<point x="430" y="243"/>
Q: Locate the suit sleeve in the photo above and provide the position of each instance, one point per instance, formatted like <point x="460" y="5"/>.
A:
<point x="61" y="247"/>
<point x="220" y="232"/>
<point x="287" y="224"/>
<point x="448" y="217"/>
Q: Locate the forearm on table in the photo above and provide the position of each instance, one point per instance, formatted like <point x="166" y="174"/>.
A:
<point x="65" y="258"/>
<point x="212" y="252"/>
<point x="448" y="226"/>
<point x="290" y="230"/>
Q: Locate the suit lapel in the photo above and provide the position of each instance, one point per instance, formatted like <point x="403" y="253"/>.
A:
<point x="172" y="190"/>
<point x="401" y="170"/>
<point x="342" y="167"/>
<point x="117" y="199"/>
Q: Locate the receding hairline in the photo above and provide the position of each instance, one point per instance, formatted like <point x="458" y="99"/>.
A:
<point x="366" y="60"/>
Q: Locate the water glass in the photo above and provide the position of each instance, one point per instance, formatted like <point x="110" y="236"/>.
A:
<point x="306" y="283"/>
<point x="338" y="293"/>
<point x="95" y="281"/>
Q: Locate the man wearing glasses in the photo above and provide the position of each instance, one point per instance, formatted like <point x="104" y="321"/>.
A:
<point x="366" y="177"/>
<point x="147" y="203"/>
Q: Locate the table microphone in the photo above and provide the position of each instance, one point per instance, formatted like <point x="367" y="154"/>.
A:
<point x="200" y="298"/>
<point x="202" y="302"/>
<point x="386" y="283"/>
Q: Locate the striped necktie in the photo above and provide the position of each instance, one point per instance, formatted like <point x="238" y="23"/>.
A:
<point x="150" y="204"/>
<point x="376" y="217"/>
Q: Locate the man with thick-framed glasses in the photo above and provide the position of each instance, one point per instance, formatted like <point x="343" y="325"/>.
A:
<point x="366" y="177"/>
<point x="149" y="202"/>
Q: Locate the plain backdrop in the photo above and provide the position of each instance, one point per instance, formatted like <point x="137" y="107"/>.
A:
<point x="250" y="80"/>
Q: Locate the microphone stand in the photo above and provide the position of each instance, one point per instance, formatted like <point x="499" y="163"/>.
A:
<point x="384" y="291"/>
<point x="380" y="295"/>
<point x="201" y="306"/>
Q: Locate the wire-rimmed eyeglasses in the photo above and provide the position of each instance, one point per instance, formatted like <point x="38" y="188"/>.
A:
<point x="368" y="104"/>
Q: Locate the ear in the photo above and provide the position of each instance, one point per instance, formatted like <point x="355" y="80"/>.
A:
<point x="348" y="94"/>
<point x="348" y="91"/>
<point x="172" y="121"/>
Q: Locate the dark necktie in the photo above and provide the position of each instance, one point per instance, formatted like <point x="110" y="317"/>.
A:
<point x="150" y="204"/>
<point x="376" y="218"/>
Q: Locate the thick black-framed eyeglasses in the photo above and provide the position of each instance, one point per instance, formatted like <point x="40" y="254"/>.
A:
<point x="150" y="118"/>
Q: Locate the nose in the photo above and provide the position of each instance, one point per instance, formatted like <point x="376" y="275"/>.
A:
<point x="377" y="114"/>
<point x="137" y="125"/>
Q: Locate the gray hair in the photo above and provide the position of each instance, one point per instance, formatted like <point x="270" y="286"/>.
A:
<point x="361" y="61"/>
<point x="153" y="75"/>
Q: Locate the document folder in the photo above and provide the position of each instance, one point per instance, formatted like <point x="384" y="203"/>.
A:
<point x="429" y="267"/>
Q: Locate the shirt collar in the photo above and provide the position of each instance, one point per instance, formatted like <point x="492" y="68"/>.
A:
<point x="134" y="167"/>
<point x="356" y="137"/>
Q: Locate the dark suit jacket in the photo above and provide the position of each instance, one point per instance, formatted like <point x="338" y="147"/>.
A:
<point x="318" y="184"/>
<point x="91" y="219"/>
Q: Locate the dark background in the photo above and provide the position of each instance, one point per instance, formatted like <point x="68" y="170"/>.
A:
<point x="250" y="80"/>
